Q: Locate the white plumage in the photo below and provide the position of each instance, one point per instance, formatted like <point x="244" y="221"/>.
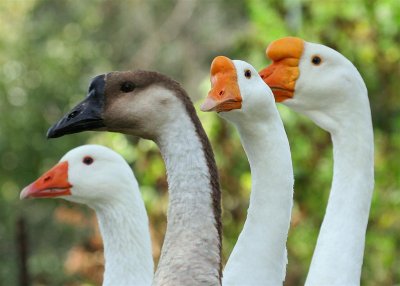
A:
<point x="241" y="97"/>
<point x="331" y="92"/>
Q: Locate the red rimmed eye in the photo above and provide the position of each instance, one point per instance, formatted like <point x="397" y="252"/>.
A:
<point x="87" y="160"/>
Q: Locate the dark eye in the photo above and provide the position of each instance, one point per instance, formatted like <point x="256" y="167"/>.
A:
<point x="87" y="160"/>
<point x="247" y="73"/>
<point x="127" y="86"/>
<point x="316" y="60"/>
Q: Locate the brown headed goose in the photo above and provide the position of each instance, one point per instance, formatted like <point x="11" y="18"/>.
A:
<point x="322" y="84"/>
<point x="100" y="178"/>
<point x="153" y="106"/>
<point x="240" y="96"/>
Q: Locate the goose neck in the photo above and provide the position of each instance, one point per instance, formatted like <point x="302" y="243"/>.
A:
<point x="339" y="252"/>
<point x="259" y="255"/>
<point x="126" y="237"/>
<point x="353" y="157"/>
<point x="191" y="249"/>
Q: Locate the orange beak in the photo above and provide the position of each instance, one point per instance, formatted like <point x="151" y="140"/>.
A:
<point x="53" y="183"/>
<point x="282" y="74"/>
<point x="224" y="94"/>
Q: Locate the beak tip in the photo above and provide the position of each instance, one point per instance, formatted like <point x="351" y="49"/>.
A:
<point x="49" y="133"/>
<point x="54" y="131"/>
<point x="203" y="108"/>
<point x="208" y="105"/>
<point x="24" y="194"/>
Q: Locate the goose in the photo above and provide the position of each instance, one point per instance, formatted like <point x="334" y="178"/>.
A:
<point x="240" y="96"/>
<point x="152" y="106"/>
<point x="100" y="178"/>
<point x="319" y="82"/>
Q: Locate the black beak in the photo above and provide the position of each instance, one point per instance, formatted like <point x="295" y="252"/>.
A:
<point x="87" y="115"/>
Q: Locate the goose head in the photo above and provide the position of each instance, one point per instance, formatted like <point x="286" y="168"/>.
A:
<point x="141" y="103"/>
<point x="88" y="174"/>
<point x="237" y="91"/>
<point x="314" y="80"/>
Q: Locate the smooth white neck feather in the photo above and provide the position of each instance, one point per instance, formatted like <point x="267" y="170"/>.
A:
<point x="124" y="228"/>
<point x="338" y="255"/>
<point x="191" y="251"/>
<point x="259" y="256"/>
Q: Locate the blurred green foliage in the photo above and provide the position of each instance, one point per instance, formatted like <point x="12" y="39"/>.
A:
<point x="49" y="50"/>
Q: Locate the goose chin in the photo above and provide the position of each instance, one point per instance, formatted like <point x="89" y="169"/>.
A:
<point x="282" y="94"/>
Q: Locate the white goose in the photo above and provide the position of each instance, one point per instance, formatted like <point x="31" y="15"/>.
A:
<point x="322" y="84"/>
<point x="100" y="178"/>
<point x="240" y="96"/>
<point x="153" y="106"/>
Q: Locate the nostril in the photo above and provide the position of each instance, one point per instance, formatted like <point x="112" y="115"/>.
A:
<point x="73" y="114"/>
<point x="222" y="92"/>
<point x="262" y="76"/>
<point x="47" y="178"/>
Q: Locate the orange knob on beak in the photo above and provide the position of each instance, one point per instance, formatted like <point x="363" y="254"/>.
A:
<point x="224" y="94"/>
<point x="282" y="74"/>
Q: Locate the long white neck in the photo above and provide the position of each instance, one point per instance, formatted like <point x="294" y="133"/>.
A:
<point x="259" y="256"/>
<point x="191" y="251"/>
<point x="338" y="256"/>
<point x="125" y="231"/>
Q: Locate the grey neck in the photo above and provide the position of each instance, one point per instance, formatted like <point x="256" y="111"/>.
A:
<point x="191" y="249"/>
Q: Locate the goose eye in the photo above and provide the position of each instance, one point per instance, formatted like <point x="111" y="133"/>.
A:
<point x="247" y="73"/>
<point x="127" y="86"/>
<point x="316" y="60"/>
<point x="87" y="160"/>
